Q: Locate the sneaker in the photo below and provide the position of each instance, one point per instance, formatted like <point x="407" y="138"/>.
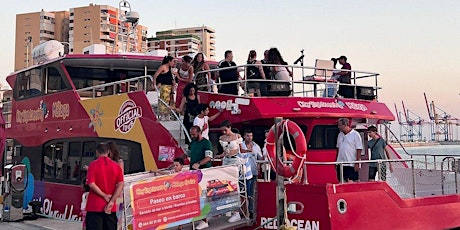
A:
<point x="235" y="217"/>
<point x="202" y="225"/>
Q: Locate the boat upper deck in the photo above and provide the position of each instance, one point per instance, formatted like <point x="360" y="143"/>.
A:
<point x="310" y="91"/>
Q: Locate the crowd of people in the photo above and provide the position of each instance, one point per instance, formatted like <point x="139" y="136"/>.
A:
<point x="235" y="150"/>
<point x="104" y="182"/>
<point x="269" y="76"/>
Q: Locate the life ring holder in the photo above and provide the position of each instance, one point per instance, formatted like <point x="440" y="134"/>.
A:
<point x="298" y="155"/>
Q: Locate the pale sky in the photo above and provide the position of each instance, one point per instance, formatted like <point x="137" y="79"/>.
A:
<point x="414" y="45"/>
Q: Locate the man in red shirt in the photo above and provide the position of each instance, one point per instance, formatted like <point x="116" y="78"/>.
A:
<point x="105" y="181"/>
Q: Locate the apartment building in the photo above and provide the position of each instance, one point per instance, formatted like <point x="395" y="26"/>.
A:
<point x="76" y="29"/>
<point x="100" y="24"/>
<point x="179" y="42"/>
<point x="35" y="28"/>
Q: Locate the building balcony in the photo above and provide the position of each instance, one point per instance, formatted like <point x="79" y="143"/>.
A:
<point x="106" y="37"/>
<point x="45" y="35"/>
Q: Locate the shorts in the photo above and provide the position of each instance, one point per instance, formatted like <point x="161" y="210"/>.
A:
<point x="382" y="173"/>
<point x="349" y="173"/>
<point x="101" y="221"/>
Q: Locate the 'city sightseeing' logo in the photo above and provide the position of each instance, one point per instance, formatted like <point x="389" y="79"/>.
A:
<point x="127" y="116"/>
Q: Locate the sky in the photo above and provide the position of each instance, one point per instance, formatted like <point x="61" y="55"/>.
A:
<point x="413" y="45"/>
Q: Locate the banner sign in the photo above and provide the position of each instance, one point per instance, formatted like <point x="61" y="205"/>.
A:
<point x="167" y="201"/>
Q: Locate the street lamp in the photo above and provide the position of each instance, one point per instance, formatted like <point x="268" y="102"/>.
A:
<point x="31" y="45"/>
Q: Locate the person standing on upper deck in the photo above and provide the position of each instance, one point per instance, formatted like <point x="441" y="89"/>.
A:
<point x="229" y="75"/>
<point x="202" y="80"/>
<point x="254" y="72"/>
<point x="346" y="91"/>
<point x="279" y="72"/>
<point x="349" y="147"/>
<point x="379" y="150"/>
<point x="264" y="84"/>
<point x="184" y="77"/>
<point x="164" y="80"/>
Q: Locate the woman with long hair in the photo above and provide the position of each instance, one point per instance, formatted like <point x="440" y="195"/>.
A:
<point x="164" y="80"/>
<point x="185" y="76"/>
<point x="189" y="106"/>
<point x="201" y="80"/>
<point x="231" y="143"/>
<point x="281" y="73"/>
<point x="254" y="72"/>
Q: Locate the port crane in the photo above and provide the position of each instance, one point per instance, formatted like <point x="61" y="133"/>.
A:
<point x="411" y="129"/>
<point x="442" y="123"/>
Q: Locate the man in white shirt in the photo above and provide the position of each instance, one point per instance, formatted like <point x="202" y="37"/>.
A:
<point x="349" y="147"/>
<point x="202" y="120"/>
<point x="253" y="152"/>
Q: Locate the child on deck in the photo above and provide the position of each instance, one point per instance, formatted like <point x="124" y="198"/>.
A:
<point x="84" y="200"/>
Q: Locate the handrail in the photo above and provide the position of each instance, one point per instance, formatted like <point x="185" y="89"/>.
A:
<point x="176" y="116"/>
<point x="443" y="178"/>
<point x="95" y="87"/>
<point x="145" y="89"/>
<point x="356" y="75"/>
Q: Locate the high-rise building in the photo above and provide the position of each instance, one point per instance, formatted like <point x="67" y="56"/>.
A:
<point x="100" y="24"/>
<point x="179" y="42"/>
<point x="35" y="28"/>
<point x="76" y="29"/>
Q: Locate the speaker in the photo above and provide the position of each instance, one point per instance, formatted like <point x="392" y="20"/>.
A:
<point x="365" y="93"/>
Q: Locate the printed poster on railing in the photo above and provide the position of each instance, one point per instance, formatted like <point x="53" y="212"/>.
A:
<point x="168" y="201"/>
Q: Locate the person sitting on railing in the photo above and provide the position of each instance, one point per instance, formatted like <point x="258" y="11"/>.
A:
<point x="164" y="80"/>
<point x="185" y="76"/>
<point x="279" y="73"/>
<point x="346" y="91"/>
<point x="202" y="80"/>
<point x="379" y="150"/>
<point x="228" y="75"/>
<point x="254" y="72"/>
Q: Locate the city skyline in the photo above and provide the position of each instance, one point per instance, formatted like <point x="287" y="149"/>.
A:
<point x="412" y="46"/>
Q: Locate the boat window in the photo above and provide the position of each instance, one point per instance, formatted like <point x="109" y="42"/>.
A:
<point x="74" y="160"/>
<point x="55" y="161"/>
<point x="323" y="137"/>
<point x="28" y="84"/>
<point x="87" y="77"/>
<point x="55" y="81"/>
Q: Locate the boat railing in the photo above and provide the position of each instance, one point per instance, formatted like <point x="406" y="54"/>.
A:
<point x="431" y="161"/>
<point x="176" y="116"/>
<point x="405" y="177"/>
<point x="141" y="83"/>
<point x="305" y="81"/>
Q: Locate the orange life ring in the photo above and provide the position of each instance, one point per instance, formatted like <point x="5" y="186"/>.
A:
<point x="300" y="145"/>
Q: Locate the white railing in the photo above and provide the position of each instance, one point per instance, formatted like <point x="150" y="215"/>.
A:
<point x="304" y="82"/>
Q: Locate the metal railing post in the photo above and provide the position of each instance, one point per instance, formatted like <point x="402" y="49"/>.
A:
<point x="341" y="173"/>
<point x="413" y="179"/>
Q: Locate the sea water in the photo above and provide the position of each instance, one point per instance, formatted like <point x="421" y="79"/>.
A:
<point x="430" y="150"/>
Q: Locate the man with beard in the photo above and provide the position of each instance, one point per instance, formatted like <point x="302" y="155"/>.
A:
<point x="200" y="150"/>
<point x="200" y="153"/>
